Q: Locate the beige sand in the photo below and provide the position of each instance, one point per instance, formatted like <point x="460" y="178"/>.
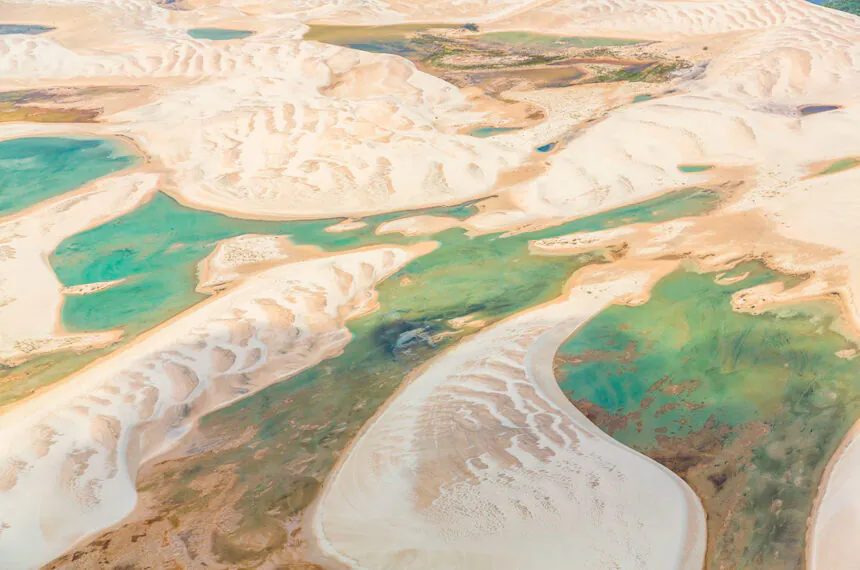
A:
<point x="347" y="225"/>
<point x="482" y="462"/>
<point x="419" y="225"/>
<point x="832" y="536"/>
<point x="245" y="255"/>
<point x="90" y="288"/>
<point x="69" y="456"/>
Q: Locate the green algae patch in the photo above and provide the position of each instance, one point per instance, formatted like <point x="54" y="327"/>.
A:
<point x="545" y="41"/>
<point x="218" y="34"/>
<point x="647" y="72"/>
<point x="748" y="409"/>
<point x="34" y="169"/>
<point x="839" y="166"/>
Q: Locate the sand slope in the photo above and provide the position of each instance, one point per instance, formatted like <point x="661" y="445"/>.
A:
<point x="482" y="462"/>
<point x="69" y="457"/>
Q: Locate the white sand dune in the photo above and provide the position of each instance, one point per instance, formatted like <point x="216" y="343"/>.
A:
<point x="273" y="127"/>
<point x="482" y="462"/>
<point x="242" y="256"/>
<point x="69" y="456"/>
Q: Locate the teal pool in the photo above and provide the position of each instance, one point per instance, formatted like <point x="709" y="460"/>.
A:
<point x="34" y="169"/>
<point x="692" y="168"/>
<point x="486" y="132"/>
<point x="218" y="34"/>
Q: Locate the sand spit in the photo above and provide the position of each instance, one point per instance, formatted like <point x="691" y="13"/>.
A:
<point x="419" y="225"/>
<point x="69" y="457"/>
<point x="31" y="296"/>
<point x="482" y="462"/>
<point x="90" y="288"/>
<point x="347" y="225"/>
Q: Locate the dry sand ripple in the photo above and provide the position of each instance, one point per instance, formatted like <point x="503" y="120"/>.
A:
<point x="482" y="462"/>
<point x="69" y="457"/>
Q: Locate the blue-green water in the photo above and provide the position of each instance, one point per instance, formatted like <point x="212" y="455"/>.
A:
<point x="748" y="409"/>
<point x="218" y="34"/>
<point x="29" y="29"/>
<point x="37" y="168"/>
<point x="642" y="97"/>
<point x="485" y="132"/>
<point x="160" y="264"/>
<point x="546" y="147"/>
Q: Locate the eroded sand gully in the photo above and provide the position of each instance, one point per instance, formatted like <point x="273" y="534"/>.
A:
<point x="69" y="456"/>
<point x="482" y="462"/>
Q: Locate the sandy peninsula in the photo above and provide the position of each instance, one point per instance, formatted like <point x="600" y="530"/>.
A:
<point x="482" y="462"/>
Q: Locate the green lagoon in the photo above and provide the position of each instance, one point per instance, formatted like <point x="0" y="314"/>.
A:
<point x="748" y="409"/>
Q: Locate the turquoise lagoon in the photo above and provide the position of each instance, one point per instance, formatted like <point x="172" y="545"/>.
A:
<point x="34" y="169"/>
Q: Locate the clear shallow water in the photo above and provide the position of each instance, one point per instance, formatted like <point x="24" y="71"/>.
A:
<point x="157" y="248"/>
<point x="485" y="132"/>
<point x="218" y="34"/>
<point x="37" y="168"/>
<point x="748" y="409"/>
